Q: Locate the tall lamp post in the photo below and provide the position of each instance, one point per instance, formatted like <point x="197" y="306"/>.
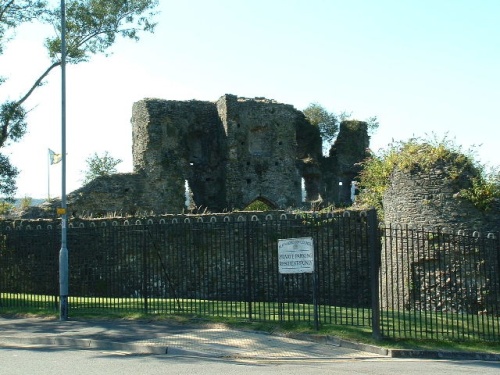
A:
<point x="63" y="253"/>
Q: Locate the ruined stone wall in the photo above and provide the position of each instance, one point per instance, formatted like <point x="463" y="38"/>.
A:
<point x="427" y="269"/>
<point x="174" y="142"/>
<point x="109" y="195"/>
<point x="432" y="198"/>
<point x="229" y="153"/>
<point x="439" y="269"/>
<point x="342" y="167"/>
<point x="237" y="150"/>
<point x="261" y="151"/>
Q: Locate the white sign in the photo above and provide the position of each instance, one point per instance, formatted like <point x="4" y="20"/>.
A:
<point x="296" y="255"/>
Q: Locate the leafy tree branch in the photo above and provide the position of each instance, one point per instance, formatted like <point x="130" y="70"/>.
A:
<point x="91" y="28"/>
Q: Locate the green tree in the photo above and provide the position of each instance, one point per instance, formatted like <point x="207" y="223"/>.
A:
<point x="92" y="27"/>
<point x="327" y="122"/>
<point x="373" y="124"/>
<point x="98" y="166"/>
<point x="15" y="13"/>
<point x="8" y="174"/>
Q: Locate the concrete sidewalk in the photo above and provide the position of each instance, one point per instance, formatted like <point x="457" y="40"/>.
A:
<point x="209" y="340"/>
<point x="142" y="337"/>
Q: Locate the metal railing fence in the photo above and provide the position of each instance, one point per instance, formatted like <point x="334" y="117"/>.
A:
<point x="225" y="266"/>
<point x="432" y="284"/>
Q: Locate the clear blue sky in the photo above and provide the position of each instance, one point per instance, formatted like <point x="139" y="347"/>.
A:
<point x="422" y="67"/>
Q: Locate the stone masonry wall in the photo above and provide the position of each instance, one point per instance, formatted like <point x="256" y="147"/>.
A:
<point x="229" y="153"/>
<point x="262" y="151"/>
<point x="432" y="198"/>
<point x="174" y="142"/>
<point x="439" y="269"/>
<point x="342" y="167"/>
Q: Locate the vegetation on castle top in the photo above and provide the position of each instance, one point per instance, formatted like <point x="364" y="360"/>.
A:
<point x="328" y="123"/>
<point x="418" y="155"/>
<point x="484" y="191"/>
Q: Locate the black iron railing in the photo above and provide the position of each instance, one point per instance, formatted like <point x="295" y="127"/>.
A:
<point x="402" y="282"/>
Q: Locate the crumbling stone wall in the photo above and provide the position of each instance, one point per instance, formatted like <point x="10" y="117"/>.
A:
<point x="439" y="269"/>
<point x="342" y="166"/>
<point x="261" y="157"/>
<point x="230" y="153"/>
<point x="110" y="195"/>
<point x="432" y="198"/>
<point x="174" y="142"/>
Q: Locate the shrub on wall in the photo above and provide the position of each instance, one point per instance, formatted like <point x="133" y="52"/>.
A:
<point x="423" y="155"/>
<point x="485" y="190"/>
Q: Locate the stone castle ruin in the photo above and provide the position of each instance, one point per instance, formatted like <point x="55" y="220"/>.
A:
<point x="229" y="153"/>
<point x="235" y="151"/>
<point x="432" y="199"/>
<point x="446" y="271"/>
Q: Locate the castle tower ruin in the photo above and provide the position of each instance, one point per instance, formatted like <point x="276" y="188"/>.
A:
<point x="223" y="155"/>
<point x="230" y="152"/>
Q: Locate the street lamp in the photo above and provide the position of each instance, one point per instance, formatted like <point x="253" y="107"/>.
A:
<point x="63" y="253"/>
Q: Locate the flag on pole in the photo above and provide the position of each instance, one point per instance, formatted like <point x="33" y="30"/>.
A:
<point x="54" y="158"/>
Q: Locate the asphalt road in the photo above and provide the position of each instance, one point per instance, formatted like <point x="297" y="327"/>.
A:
<point x="64" y="361"/>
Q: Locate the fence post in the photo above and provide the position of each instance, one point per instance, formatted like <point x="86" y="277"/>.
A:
<point x="374" y="245"/>
<point x="249" y="260"/>
<point x="497" y="235"/>
<point x="145" y="276"/>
